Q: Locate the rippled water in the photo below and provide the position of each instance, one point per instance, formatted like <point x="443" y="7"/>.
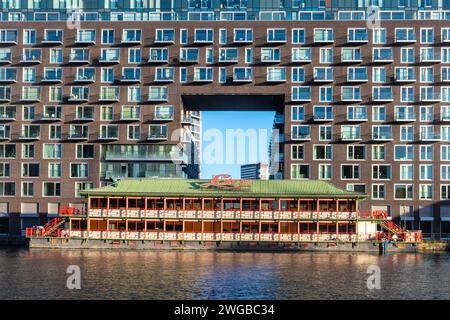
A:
<point x="41" y="274"/>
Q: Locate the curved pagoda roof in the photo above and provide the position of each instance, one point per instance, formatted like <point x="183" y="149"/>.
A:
<point x="240" y="188"/>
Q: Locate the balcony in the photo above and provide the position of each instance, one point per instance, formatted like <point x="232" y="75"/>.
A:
<point x="110" y="56"/>
<point x="358" y="75"/>
<point x="404" y="116"/>
<point x="131" y="75"/>
<point x="85" y="115"/>
<point x="133" y="115"/>
<point x="301" y="136"/>
<point x="430" y="96"/>
<point x="357" y="36"/>
<point x="445" y="116"/>
<point x="29" y="135"/>
<point x="243" y="36"/>
<point x="383" y="55"/>
<point x="5" y="57"/>
<point x="270" y="55"/>
<point x="430" y="136"/>
<point x="242" y="75"/>
<point x="85" y="76"/>
<point x="109" y="132"/>
<point x="351" y="56"/>
<point x="228" y="55"/>
<point x="164" y="74"/>
<point x="51" y="116"/>
<point x="350" y="136"/>
<point x="323" y="75"/>
<point x="31" y="56"/>
<point x="165" y="36"/>
<point x="131" y="36"/>
<point x="189" y="55"/>
<point x="8" y="116"/>
<point x="53" y="37"/>
<point x="78" y="135"/>
<point x="52" y="76"/>
<point x="157" y="136"/>
<point x="430" y="56"/>
<point x="158" y="55"/>
<point x="79" y="57"/>
<point x="8" y="75"/>
<point x="79" y="95"/>
<point x="382" y="136"/>
<point x="405" y="36"/>
<point x="301" y="55"/>
<point x="203" y="75"/>
<point x="383" y="97"/>
<point x="276" y="75"/>
<point x="8" y="36"/>
<point x="85" y="37"/>
<point x="323" y="36"/>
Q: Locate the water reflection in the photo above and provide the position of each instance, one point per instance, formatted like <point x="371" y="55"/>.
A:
<point x="41" y="274"/>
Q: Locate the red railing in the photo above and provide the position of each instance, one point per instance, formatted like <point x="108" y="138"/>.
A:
<point x="71" y="211"/>
<point x="49" y="229"/>
<point x="377" y="214"/>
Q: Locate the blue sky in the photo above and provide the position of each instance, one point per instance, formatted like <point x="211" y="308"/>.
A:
<point x="223" y="120"/>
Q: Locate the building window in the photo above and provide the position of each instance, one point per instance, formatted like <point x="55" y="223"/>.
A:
<point x="134" y="132"/>
<point x="297" y="152"/>
<point x="404" y="153"/>
<point x="406" y="172"/>
<point x="80" y="186"/>
<point x="426" y="153"/>
<point x="323" y="152"/>
<point x="298" y="36"/>
<point x="356" y="152"/>
<point x="51" y="189"/>
<point x="300" y="171"/>
<point x="426" y="172"/>
<point x="108" y="36"/>
<point x="325" y="171"/>
<point x="52" y="151"/>
<point x="7" y="189"/>
<point x="298" y="113"/>
<point x="79" y="170"/>
<point x="27" y="189"/>
<point x="378" y="191"/>
<point x="403" y="191"/>
<point x="85" y="151"/>
<point x="426" y="192"/>
<point x="381" y="171"/>
<point x="350" y="172"/>
<point x="54" y="170"/>
<point x="325" y="133"/>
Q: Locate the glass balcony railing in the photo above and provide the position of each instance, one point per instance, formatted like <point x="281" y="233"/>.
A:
<point x="430" y="136"/>
<point x="383" y="55"/>
<point x="242" y="75"/>
<point x="158" y="55"/>
<point x="8" y="74"/>
<point x="351" y="135"/>
<point x="79" y="56"/>
<point x="85" y="36"/>
<point x="5" y="56"/>
<point x="8" y="36"/>
<point x="79" y="133"/>
<point x="189" y="55"/>
<point x="404" y="115"/>
<point x="53" y="36"/>
<point x="276" y="75"/>
<point x="110" y="56"/>
<point x="32" y="56"/>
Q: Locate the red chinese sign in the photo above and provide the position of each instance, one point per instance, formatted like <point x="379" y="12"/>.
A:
<point x="224" y="181"/>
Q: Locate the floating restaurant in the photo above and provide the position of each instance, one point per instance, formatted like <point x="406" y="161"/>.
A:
<point x="221" y="213"/>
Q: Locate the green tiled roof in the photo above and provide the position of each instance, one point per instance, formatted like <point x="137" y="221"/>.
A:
<point x="194" y="188"/>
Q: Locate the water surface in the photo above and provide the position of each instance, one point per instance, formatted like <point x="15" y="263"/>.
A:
<point x="41" y="274"/>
